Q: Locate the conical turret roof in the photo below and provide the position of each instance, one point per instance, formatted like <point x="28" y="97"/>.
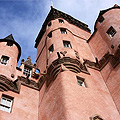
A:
<point x="9" y="37"/>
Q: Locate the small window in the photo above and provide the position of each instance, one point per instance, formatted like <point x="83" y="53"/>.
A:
<point x="6" y="103"/>
<point x="49" y="24"/>
<point x="60" y="21"/>
<point x="4" y="60"/>
<point x="101" y="19"/>
<point x="96" y="117"/>
<point x="111" y="32"/>
<point x="50" y="35"/>
<point x="63" y="31"/>
<point x="51" y="49"/>
<point x="9" y="44"/>
<point x="67" y="44"/>
<point x="81" y="81"/>
<point x="27" y="71"/>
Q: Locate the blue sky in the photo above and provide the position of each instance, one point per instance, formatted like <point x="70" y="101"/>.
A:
<point x="24" y="18"/>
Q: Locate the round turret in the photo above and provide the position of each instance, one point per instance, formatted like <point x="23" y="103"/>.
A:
<point x="108" y="25"/>
<point x="10" y="52"/>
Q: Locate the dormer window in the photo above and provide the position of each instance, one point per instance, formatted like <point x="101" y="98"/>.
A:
<point x="50" y="35"/>
<point x="51" y="49"/>
<point x="63" y="31"/>
<point x="4" y="60"/>
<point x="111" y="32"/>
<point x="60" y="21"/>
<point x="27" y="71"/>
<point x="49" y="24"/>
<point x="9" y="44"/>
<point x="6" y="103"/>
<point x="67" y="44"/>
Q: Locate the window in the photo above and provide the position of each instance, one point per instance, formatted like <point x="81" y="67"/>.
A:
<point x="60" y="21"/>
<point x="67" y="44"/>
<point x="111" y="32"/>
<point x="50" y="35"/>
<point x="81" y="81"/>
<point x="101" y="19"/>
<point x="4" y="60"/>
<point x="27" y="71"/>
<point x="96" y="117"/>
<point x="49" y="24"/>
<point x="63" y="31"/>
<point x="51" y="49"/>
<point x="6" y="103"/>
<point x="9" y="44"/>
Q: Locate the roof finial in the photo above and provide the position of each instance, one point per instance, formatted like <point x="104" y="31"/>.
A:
<point x="51" y="3"/>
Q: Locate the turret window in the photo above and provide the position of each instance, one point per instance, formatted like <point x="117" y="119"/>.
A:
<point x="101" y="19"/>
<point x="81" y="81"/>
<point x="4" y="60"/>
<point x="111" y="32"/>
<point x="51" y="49"/>
<point x="60" y="21"/>
<point x="27" y="71"/>
<point x="67" y="44"/>
<point x="6" y="103"/>
<point x="50" y="35"/>
<point x="9" y="44"/>
<point x="96" y="117"/>
<point x="49" y="24"/>
<point x="63" y="31"/>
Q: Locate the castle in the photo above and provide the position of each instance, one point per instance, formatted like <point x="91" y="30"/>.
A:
<point x="76" y="75"/>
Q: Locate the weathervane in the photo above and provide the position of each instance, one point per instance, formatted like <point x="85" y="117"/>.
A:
<point x="51" y="3"/>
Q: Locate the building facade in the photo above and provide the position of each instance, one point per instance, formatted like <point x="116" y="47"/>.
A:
<point x="76" y="75"/>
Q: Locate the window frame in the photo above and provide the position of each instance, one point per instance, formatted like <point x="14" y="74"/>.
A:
<point x="67" y="44"/>
<point x="50" y="35"/>
<point x="5" y="104"/>
<point x="61" y="20"/>
<point x="101" y="19"/>
<point x="111" y="32"/>
<point x="80" y="79"/>
<point x="27" y="71"/>
<point x="9" y="43"/>
<point x="63" y="30"/>
<point x="49" y="24"/>
<point x="51" y="49"/>
<point x="4" y="60"/>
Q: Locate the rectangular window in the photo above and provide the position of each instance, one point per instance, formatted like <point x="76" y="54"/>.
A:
<point x="81" y="81"/>
<point x="60" y="21"/>
<point x="9" y="44"/>
<point x="50" y="35"/>
<point x="51" y="49"/>
<point x="111" y="32"/>
<point x="49" y="24"/>
<point x="63" y="31"/>
<point x="67" y="44"/>
<point x="101" y="19"/>
<point x="27" y="71"/>
<point x="6" y="103"/>
<point x="4" y="60"/>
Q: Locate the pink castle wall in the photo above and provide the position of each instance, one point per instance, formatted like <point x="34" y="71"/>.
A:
<point x="64" y="98"/>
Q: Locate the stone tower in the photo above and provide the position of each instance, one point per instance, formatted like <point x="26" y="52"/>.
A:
<point x="74" y="69"/>
<point x="10" y="52"/>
